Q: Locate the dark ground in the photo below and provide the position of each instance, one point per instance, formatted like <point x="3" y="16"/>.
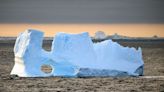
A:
<point x="153" y="56"/>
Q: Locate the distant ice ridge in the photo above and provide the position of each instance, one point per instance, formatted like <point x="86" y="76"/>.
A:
<point x="74" y="55"/>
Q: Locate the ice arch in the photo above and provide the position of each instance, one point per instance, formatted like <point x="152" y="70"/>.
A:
<point x="74" y="55"/>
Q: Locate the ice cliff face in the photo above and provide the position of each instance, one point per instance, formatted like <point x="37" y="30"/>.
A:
<point x="74" y="55"/>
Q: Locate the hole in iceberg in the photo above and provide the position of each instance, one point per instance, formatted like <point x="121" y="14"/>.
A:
<point x="46" y="69"/>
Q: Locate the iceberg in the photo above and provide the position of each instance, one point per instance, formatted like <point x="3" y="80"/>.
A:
<point x="74" y="55"/>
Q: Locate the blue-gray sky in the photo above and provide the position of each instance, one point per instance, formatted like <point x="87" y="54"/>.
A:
<point x="81" y="11"/>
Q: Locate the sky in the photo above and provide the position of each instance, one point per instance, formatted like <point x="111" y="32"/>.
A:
<point x="143" y="18"/>
<point x="132" y="30"/>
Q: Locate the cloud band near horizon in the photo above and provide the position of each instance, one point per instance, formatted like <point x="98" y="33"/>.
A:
<point x="81" y="11"/>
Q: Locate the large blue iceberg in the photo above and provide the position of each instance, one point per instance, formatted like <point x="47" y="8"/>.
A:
<point x="74" y="55"/>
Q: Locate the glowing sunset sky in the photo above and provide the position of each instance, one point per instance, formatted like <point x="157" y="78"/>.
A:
<point x="136" y="18"/>
<point x="134" y="30"/>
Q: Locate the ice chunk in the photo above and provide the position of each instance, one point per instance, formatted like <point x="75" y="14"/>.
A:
<point x="74" y="55"/>
<point x="113" y="56"/>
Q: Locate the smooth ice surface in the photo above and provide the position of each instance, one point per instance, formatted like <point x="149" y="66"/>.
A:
<point x="74" y="55"/>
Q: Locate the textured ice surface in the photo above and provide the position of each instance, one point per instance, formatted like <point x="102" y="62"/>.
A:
<point x="74" y="55"/>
